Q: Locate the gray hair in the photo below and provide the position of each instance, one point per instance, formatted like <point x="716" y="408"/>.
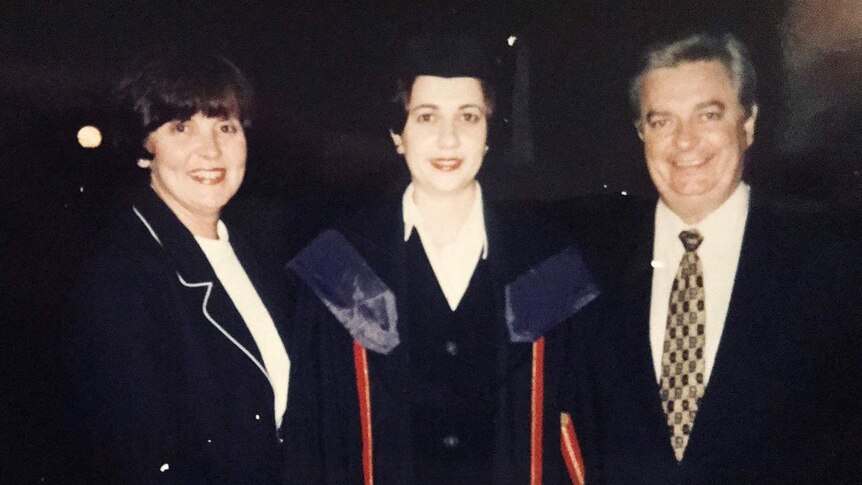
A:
<point x="728" y="50"/>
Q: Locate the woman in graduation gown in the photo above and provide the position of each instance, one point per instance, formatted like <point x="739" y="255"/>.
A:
<point x="435" y="319"/>
<point x="176" y="343"/>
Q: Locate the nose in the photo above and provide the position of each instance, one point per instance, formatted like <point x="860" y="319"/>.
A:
<point x="449" y="136"/>
<point x="685" y="135"/>
<point x="210" y="144"/>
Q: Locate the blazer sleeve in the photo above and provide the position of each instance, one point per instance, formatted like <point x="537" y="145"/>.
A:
<point x="120" y="374"/>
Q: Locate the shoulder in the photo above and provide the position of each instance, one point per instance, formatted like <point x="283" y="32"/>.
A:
<point x="806" y="245"/>
<point x="796" y="228"/>
<point x="609" y="230"/>
<point x="280" y="226"/>
<point x="123" y="258"/>
<point x="372" y="220"/>
<point x="605" y="217"/>
<point x="527" y="230"/>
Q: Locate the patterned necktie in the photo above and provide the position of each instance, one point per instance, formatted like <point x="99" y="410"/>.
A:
<point x="682" y="364"/>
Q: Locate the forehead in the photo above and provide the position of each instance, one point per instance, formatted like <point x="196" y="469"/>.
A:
<point x="686" y="85"/>
<point x="446" y="92"/>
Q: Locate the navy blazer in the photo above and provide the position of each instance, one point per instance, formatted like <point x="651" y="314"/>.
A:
<point x="167" y="383"/>
<point x="331" y="447"/>
<point x="783" y="402"/>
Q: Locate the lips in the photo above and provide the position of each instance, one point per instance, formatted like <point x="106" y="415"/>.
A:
<point x="690" y="163"/>
<point x="447" y="164"/>
<point x="208" y="176"/>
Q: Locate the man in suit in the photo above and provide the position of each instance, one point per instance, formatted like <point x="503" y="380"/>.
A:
<point x="724" y="350"/>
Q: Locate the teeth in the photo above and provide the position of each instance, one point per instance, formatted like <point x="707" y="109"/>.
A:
<point x="209" y="176"/>
<point x="446" y="164"/>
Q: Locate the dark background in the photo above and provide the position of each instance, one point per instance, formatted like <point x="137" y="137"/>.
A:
<point x="321" y="70"/>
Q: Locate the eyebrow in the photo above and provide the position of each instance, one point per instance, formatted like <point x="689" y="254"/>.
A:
<point x="652" y="114"/>
<point x="424" y="106"/>
<point x="714" y="103"/>
<point x="435" y="107"/>
<point x="476" y="106"/>
<point x="711" y="104"/>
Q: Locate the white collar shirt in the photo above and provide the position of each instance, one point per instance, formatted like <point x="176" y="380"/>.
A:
<point x="722" y="232"/>
<point x="245" y="298"/>
<point x="455" y="262"/>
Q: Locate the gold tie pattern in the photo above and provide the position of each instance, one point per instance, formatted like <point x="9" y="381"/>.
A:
<point x="682" y="364"/>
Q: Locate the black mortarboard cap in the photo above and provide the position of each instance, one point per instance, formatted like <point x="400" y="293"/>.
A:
<point x="445" y="55"/>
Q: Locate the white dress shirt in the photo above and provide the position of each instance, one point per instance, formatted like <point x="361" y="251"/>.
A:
<point x="236" y="283"/>
<point x="455" y="262"/>
<point x="719" y="254"/>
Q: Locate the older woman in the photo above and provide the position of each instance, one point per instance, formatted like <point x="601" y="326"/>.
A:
<point x="178" y="358"/>
<point x="432" y="309"/>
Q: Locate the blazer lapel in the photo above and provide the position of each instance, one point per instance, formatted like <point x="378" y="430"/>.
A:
<point x="747" y="322"/>
<point x="635" y="292"/>
<point x="201" y="290"/>
<point x="625" y="309"/>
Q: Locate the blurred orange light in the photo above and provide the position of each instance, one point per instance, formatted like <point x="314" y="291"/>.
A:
<point x="89" y="137"/>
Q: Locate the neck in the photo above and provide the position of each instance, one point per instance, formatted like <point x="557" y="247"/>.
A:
<point x="198" y="224"/>
<point x="691" y="217"/>
<point x="201" y="228"/>
<point x="445" y="214"/>
<point x="695" y="209"/>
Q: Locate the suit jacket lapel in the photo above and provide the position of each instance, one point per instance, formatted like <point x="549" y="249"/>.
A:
<point x="625" y="310"/>
<point x="192" y="266"/>
<point x="635" y="292"/>
<point x="748" y="317"/>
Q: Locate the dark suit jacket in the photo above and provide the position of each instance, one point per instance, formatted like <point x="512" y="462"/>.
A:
<point x="330" y="451"/>
<point x="167" y="384"/>
<point x="783" y="402"/>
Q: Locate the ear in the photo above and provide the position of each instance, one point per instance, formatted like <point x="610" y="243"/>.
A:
<point x="639" y="128"/>
<point x="748" y="125"/>
<point x="143" y="162"/>
<point x="396" y="140"/>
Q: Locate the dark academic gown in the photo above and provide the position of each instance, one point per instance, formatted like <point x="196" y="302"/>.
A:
<point x="783" y="402"/>
<point x="166" y="384"/>
<point x="450" y="393"/>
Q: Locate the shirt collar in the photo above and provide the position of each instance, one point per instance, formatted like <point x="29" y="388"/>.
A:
<point x="473" y="227"/>
<point x="714" y="227"/>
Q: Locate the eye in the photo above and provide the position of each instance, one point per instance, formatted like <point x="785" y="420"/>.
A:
<point x="711" y="115"/>
<point x="471" y="117"/>
<point x="657" y="123"/>
<point x="179" y="127"/>
<point x="228" y="128"/>
<point x="425" y="117"/>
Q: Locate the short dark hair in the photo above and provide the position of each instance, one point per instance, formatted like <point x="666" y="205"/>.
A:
<point x="727" y="49"/>
<point x="175" y="85"/>
<point x="443" y="55"/>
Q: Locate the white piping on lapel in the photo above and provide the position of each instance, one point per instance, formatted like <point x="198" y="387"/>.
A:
<point x="147" y="224"/>
<point x="209" y="287"/>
